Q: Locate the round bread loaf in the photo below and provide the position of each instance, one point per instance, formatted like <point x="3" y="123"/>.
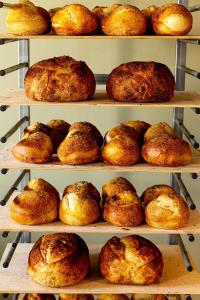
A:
<point x="121" y="20"/>
<point x="166" y="150"/>
<point x="78" y="148"/>
<point x="148" y="297"/>
<point x="59" y="79"/>
<point x="59" y="130"/>
<point x="39" y="184"/>
<point x="164" y="208"/>
<point x="80" y="204"/>
<point x="123" y="209"/>
<point x="113" y="297"/>
<point x="28" y="19"/>
<point x="75" y="297"/>
<point x="121" y="151"/>
<point x="140" y="126"/>
<point x="36" y="127"/>
<point x="39" y="297"/>
<point x="58" y="260"/>
<point x="141" y="82"/>
<point x="131" y="260"/>
<point x="34" y="207"/>
<point x="88" y="128"/>
<point x="158" y="129"/>
<point x="172" y="19"/>
<point x="73" y="19"/>
<point x="36" y="148"/>
<point x="115" y="186"/>
<point x="123" y="130"/>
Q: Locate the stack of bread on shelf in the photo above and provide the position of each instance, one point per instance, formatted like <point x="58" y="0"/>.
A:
<point x="81" y="204"/>
<point x="24" y="18"/>
<point x="81" y="143"/>
<point x="91" y="297"/>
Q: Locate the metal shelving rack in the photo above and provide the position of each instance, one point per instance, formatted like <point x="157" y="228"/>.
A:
<point x="178" y="123"/>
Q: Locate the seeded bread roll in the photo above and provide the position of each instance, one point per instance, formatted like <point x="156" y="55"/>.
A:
<point x="115" y="186"/>
<point x="39" y="297"/>
<point x="113" y="297"/>
<point x="75" y="297"/>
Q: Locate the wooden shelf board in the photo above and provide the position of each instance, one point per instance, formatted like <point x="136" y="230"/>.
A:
<point x="181" y="99"/>
<point x="170" y="297"/>
<point x="7" y="161"/>
<point x="7" y="224"/>
<point x="97" y="37"/>
<point x="175" y="279"/>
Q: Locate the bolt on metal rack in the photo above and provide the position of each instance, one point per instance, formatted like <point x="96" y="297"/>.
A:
<point x="178" y="123"/>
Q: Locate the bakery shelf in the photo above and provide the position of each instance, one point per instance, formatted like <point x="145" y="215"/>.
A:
<point x="7" y="224"/>
<point x="7" y="161"/>
<point x="175" y="279"/>
<point x="99" y="37"/>
<point x="17" y="97"/>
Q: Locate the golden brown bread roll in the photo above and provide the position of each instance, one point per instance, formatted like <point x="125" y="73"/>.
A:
<point x="172" y="19"/>
<point x="78" y="148"/>
<point x="34" y="207"/>
<point x="121" y="151"/>
<point x="157" y="130"/>
<point x="123" y="209"/>
<point x="164" y="208"/>
<point x="168" y="151"/>
<point x="148" y="297"/>
<point x="113" y="297"/>
<point x="27" y="19"/>
<point x="123" y="130"/>
<point x="121" y="20"/>
<point x="39" y="297"/>
<point x="80" y="204"/>
<point x="39" y="184"/>
<point x="75" y="297"/>
<point x="88" y="128"/>
<point x="36" y="127"/>
<point x="131" y="260"/>
<point x="141" y="82"/>
<point x="139" y="126"/>
<point x="73" y="19"/>
<point x="36" y="148"/>
<point x="148" y="12"/>
<point x="59" y="130"/>
<point x="59" y="79"/>
<point x="115" y="186"/>
<point x="58" y="260"/>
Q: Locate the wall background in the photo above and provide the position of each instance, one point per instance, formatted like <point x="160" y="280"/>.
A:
<point x="102" y="57"/>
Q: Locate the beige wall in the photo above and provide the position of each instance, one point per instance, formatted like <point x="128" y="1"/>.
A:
<point x="102" y="57"/>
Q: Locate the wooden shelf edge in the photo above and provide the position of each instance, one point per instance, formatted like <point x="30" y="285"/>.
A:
<point x="7" y="224"/>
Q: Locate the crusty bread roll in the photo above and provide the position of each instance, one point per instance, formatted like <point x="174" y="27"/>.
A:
<point x="166" y="150"/>
<point x="59" y="130"/>
<point x="36" y="148"/>
<point x="76" y="297"/>
<point x="115" y="186"/>
<point x="158" y="129"/>
<point x="78" y="148"/>
<point x="39" y="184"/>
<point x="131" y="260"/>
<point x="123" y="130"/>
<point x="80" y="204"/>
<point x="148" y="12"/>
<point x="88" y="128"/>
<point x="123" y="209"/>
<point x="36" y="127"/>
<point x="27" y="19"/>
<point x="139" y="126"/>
<point x="73" y="19"/>
<point x="121" y="151"/>
<point x="164" y="208"/>
<point x="141" y="82"/>
<point x="34" y="207"/>
<point x="121" y="20"/>
<point x="59" y="79"/>
<point x="113" y="297"/>
<point x="172" y="19"/>
<point x="148" y="297"/>
<point x="58" y="260"/>
<point x="39" y="297"/>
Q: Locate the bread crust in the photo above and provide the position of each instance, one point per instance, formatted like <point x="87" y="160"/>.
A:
<point x="158" y="129"/>
<point x="39" y="297"/>
<point x="59" y="79"/>
<point x="131" y="260"/>
<point x="73" y="19"/>
<point x="168" y="151"/>
<point x="39" y="184"/>
<point x="141" y="82"/>
<point x="76" y="297"/>
<point x="123" y="130"/>
<point x="113" y="297"/>
<point x="59" y="130"/>
<point x="115" y="186"/>
<point x="172" y="19"/>
<point x="58" y="260"/>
